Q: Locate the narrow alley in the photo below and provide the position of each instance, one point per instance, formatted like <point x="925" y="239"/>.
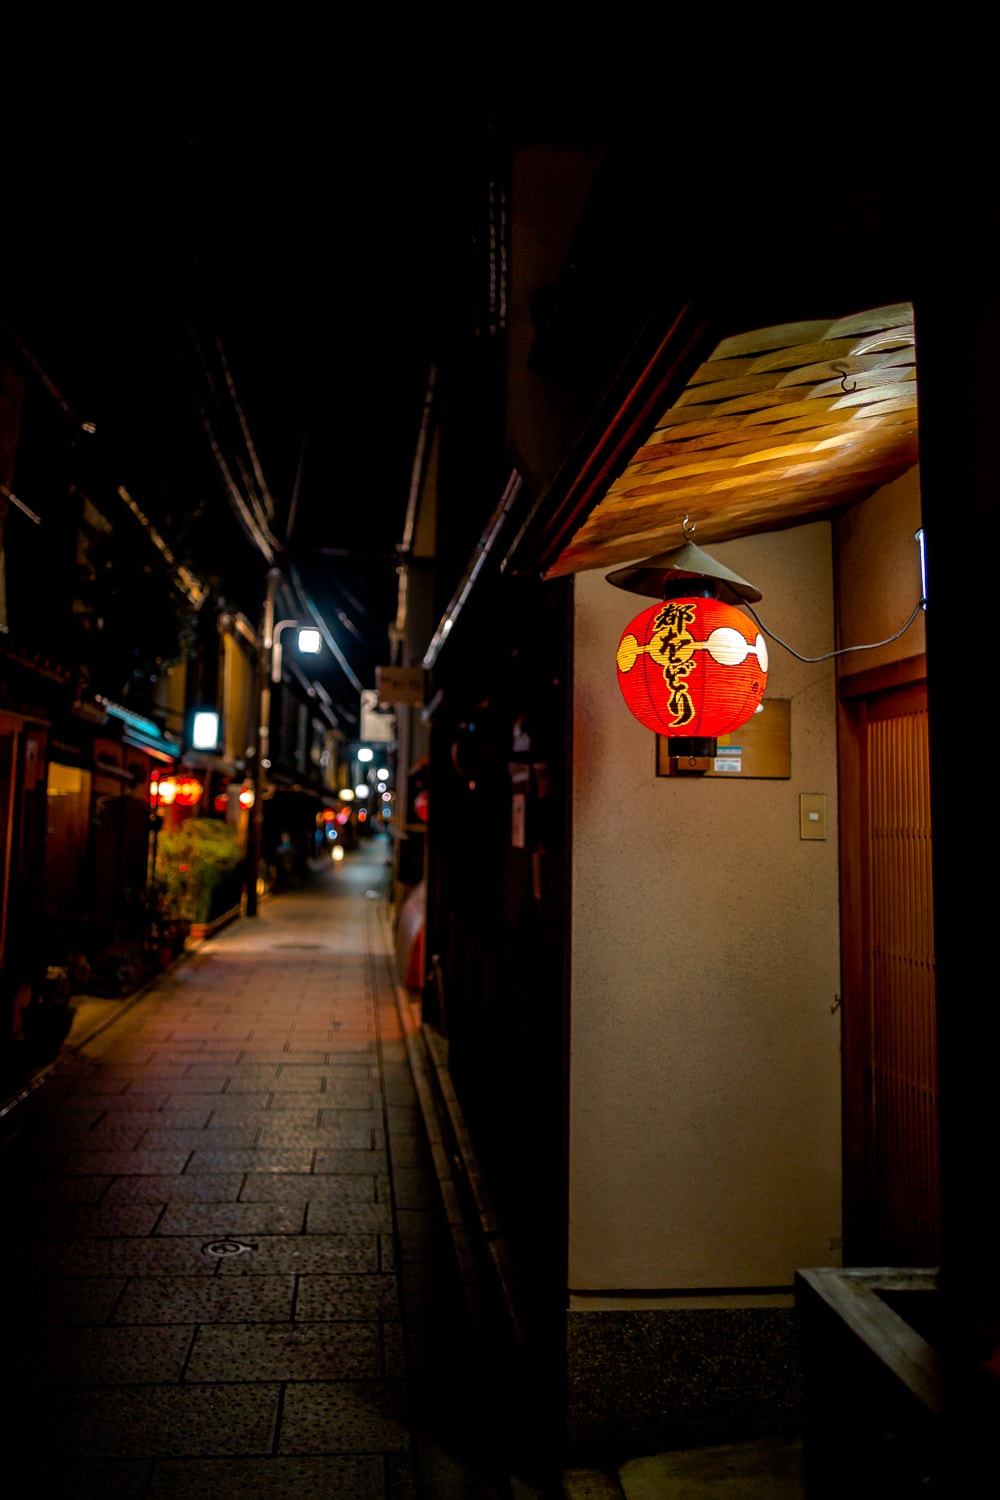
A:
<point x="227" y="1270"/>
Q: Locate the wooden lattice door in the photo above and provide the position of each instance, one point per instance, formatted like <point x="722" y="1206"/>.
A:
<point x="890" y="1052"/>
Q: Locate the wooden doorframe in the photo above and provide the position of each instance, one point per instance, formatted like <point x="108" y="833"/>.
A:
<point x="854" y="693"/>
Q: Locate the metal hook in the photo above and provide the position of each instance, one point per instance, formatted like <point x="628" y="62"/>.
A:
<point x="688" y="529"/>
<point x="847" y="389"/>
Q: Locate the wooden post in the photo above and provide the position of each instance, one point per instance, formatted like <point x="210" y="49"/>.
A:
<point x="261" y="749"/>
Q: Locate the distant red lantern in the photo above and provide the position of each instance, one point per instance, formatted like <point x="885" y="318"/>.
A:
<point x="421" y="805"/>
<point x="692" y="667"/>
<point x="188" y="792"/>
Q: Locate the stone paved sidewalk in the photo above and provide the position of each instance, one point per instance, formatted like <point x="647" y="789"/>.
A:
<point x="224" y="1268"/>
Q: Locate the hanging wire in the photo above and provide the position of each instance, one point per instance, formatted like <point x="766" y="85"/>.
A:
<point x="293" y="504"/>
<point x="260" y="537"/>
<point x="261" y="498"/>
<point x="871" y="646"/>
<point x="250" y="500"/>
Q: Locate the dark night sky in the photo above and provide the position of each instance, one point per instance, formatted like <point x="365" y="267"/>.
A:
<point x="311" y="202"/>
<point x="328" y="263"/>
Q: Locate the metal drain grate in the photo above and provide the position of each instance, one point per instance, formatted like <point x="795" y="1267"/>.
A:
<point x="227" y="1247"/>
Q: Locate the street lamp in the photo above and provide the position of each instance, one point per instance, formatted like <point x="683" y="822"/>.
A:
<point x="309" y="643"/>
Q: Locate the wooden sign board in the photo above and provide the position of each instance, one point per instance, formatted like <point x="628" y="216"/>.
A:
<point x="405" y="686"/>
<point x="760" y="749"/>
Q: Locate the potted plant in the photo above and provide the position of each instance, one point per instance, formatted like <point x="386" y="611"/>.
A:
<point x="198" y="871"/>
<point x="48" y="1015"/>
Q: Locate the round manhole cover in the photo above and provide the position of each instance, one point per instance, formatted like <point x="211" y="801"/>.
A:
<point x="227" y="1247"/>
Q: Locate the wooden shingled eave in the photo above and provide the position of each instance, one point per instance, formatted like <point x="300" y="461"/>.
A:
<point x="777" y="426"/>
<point x="655" y="373"/>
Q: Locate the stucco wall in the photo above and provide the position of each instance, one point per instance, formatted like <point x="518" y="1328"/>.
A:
<point x="878" y="575"/>
<point x="704" y="1110"/>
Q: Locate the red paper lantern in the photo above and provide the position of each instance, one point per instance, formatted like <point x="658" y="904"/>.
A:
<point x="692" y="667"/>
<point x="188" y="792"/>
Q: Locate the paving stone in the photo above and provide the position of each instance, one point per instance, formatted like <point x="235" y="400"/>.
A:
<point x="128" y="1073"/>
<point x="108" y="1356"/>
<point x="70" y="1108"/>
<point x="126" y="1104"/>
<point x="328" y="1298"/>
<point x="57" y="1479"/>
<point x="280" y="1134"/>
<point x="69" y="1221"/>
<point x="300" y="1081"/>
<point x="359" y="1132"/>
<point x="71" y="1301"/>
<point x="190" y="1299"/>
<point x="153" y="1119"/>
<point x="249" y="1110"/>
<point x="213" y="1138"/>
<point x="249" y="1069"/>
<point x="276" y="1055"/>
<point x="216" y="1220"/>
<point x="207" y="1188"/>
<point x="112" y="1133"/>
<point x="26" y="1156"/>
<point x="137" y="1257"/>
<point x="250" y="1160"/>
<point x="287" y="1103"/>
<point x="31" y="1257"/>
<point x="126" y="1163"/>
<point x="148" y="1089"/>
<point x="261" y="1082"/>
<point x="352" y="1476"/>
<point x="97" y="1083"/>
<point x="23" y="1189"/>
<point x="335" y="1216"/>
<point x="344" y="1416"/>
<point x="339" y="1160"/>
<point x="262" y="1351"/>
<point x="180" y="1421"/>
<point x="275" y="1254"/>
<point x="369" y="1099"/>
<point x="346" y="1187"/>
<point x="181" y="1087"/>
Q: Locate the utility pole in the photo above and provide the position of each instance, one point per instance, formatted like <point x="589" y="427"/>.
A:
<point x="262" y="745"/>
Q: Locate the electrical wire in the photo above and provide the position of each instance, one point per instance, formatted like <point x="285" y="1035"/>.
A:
<point x="872" y="646"/>
<point x="252" y="503"/>
<point x="261" y="499"/>
<point x="261" y="539"/>
<point x="293" y="504"/>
